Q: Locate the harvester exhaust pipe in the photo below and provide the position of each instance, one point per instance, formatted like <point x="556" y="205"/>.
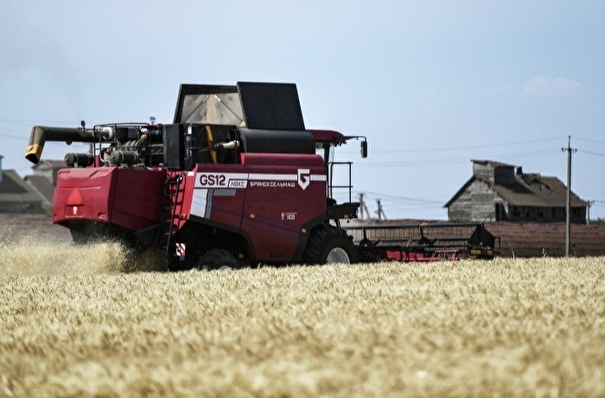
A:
<point x="41" y="134"/>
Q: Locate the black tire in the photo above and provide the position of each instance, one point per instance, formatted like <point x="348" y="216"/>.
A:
<point x="79" y="237"/>
<point x="330" y="245"/>
<point x="217" y="259"/>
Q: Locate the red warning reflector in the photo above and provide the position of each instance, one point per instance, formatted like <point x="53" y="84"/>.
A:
<point x="74" y="198"/>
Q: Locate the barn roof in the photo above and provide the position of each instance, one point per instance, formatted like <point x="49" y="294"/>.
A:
<point x="535" y="191"/>
<point x="49" y="163"/>
<point x="491" y="162"/>
<point x="11" y="184"/>
<point x="43" y="186"/>
<point x="32" y="194"/>
<point x="16" y="194"/>
<point x="531" y="190"/>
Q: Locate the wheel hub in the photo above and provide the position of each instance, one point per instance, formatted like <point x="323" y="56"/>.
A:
<point x="338" y="256"/>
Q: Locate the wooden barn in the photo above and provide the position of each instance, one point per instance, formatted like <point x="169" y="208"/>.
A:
<point x="502" y="192"/>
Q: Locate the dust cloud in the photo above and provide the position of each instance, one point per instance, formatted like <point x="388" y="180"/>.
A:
<point x="32" y="245"/>
<point x="46" y="258"/>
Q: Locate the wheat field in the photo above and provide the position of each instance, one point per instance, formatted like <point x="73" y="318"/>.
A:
<point x="86" y="321"/>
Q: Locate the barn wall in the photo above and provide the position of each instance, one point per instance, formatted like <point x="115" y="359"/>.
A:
<point x="476" y="203"/>
<point x="485" y="170"/>
<point x="546" y="214"/>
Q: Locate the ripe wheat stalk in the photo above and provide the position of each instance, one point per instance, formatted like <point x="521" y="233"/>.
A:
<point x="84" y="321"/>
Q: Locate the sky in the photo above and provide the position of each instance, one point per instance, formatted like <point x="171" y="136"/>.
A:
<point x="431" y="84"/>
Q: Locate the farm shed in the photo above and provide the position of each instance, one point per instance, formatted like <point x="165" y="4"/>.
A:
<point x="16" y="196"/>
<point x="502" y="192"/>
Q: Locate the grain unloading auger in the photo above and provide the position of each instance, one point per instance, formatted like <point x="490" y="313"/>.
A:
<point x="235" y="180"/>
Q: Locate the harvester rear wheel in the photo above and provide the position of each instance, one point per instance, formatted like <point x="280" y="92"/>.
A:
<point x="330" y="245"/>
<point x="218" y="259"/>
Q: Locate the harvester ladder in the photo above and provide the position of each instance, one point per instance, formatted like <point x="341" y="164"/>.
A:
<point x="171" y="204"/>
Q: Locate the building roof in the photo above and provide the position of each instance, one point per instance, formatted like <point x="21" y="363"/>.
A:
<point x="50" y="163"/>
<point x="535" y="191"/>
<point x="11" y="183"/>
<point x="491" y="162"/>
<point x="531" y="190"/>
<point x="16" y="194"/>
<point x="43" y="186"/>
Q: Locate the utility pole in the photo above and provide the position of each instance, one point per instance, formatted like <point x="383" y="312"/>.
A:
<point x="361" y="215"/>
<point x="569" y="150"/>
<point x="380" y="212"/>
<point x="363" y="209"/>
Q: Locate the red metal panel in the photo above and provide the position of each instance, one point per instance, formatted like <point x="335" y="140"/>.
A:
<point x="138" y="198"/>
<point x="411" y="256"/>
<point x="130" y="198"/>
<point x="83" y="194"/>
<point x="284" y="192"/>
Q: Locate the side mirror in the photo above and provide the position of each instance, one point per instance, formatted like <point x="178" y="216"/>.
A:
<point x="364" y="149"/>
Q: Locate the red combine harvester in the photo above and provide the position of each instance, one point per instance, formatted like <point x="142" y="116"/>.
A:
<point x="235" y="180"/>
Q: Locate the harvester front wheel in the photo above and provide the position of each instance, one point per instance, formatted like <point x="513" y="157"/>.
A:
<point x="329" y="245"/>
<point x="218" y="259"/>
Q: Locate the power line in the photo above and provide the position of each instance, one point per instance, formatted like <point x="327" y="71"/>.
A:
<point x="401" y="198"/>
<point x="592" y="153"/>
<point x="590" y="140"/>
<point x="22" y="137"/>
<point x="436" y="161"/>
<point x="365" y="213"/>
<point x="16" y="121"/>
<point x="450" y="148"/>
<point x="24" y="122"/>
<point x="390" y="198"/>
<point x="397" y="204"/>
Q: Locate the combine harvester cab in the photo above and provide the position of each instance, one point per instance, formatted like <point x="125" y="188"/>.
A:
<point x="235" y="180"/>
